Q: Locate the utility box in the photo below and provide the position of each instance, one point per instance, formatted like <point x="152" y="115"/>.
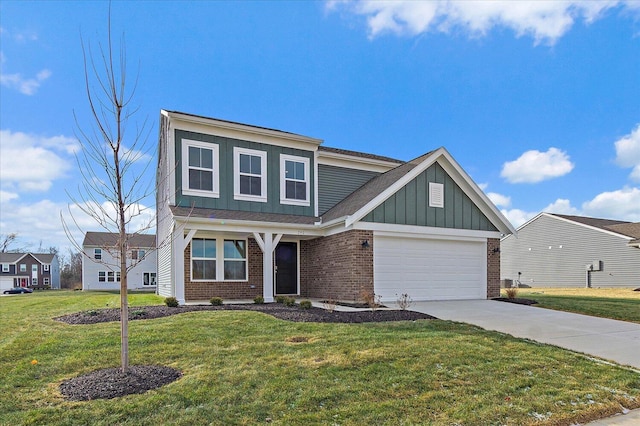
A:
<point x="597" y="265"/>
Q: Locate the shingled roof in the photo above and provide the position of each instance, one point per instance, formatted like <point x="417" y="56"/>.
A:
<point x="242" y="215"/>
<point x="108" y="239"/>
<point x="359" y="154"/>
<point x="629" y="229"/>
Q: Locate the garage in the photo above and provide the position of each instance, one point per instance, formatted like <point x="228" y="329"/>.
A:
<point x="429" y="269"/>
<point x="6" y="283"/>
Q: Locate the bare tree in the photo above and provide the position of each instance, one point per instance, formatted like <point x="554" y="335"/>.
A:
<point x="113" y="163"/>
<point x="9" y="240"/>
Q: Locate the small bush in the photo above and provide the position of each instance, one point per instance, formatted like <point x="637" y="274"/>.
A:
<point x="258" y="300"/>
<point x="289" y="301"/>
<point x="329" y="305"/>
<point x="371" y="299"/>
<point x="281" y="299"/>
<point x="305" y="304"/>
<point x="404" y="301"/>
<point x="216" y="301"/>
<point x="512" y="292"/>
<point x="171" y="302"/>
<point x="138" y="313"/>
<point x="92" y="313"/>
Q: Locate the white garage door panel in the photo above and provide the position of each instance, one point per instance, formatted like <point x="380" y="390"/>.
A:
<point x="428" y="269"/>
<point x="6" y="283"/>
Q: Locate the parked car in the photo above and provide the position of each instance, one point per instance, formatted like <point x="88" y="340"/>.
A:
<point x="18" y="290"/>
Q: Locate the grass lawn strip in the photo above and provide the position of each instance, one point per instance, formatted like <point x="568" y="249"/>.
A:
<point x="618" y="304"/>
<point x="247" y="368"/>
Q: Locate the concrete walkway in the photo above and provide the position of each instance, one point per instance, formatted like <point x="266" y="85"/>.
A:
<point x="617" y="341"/>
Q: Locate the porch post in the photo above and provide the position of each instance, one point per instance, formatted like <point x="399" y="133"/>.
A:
<point x="267" y="243"/>
<point x="181" y="243"/>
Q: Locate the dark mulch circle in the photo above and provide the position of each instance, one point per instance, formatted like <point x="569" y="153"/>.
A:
<point x="288" y="313"/>
<point x="112" y="383"/>
<point x="516" y="300"/>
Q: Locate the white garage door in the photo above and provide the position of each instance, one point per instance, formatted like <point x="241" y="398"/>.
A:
<point x="6" y="283"/>
<point x="429" y="269"/>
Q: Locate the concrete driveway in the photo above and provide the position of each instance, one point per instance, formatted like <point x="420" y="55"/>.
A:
<point x="617" y="341"/>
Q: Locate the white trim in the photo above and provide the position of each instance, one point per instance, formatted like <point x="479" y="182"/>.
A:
<point x="411" y="231"/>
<point x="283" y="180"/>
<point x="212" y="126"/>
<point x="237" y="151"/>
<point x="315" y="183"/>
<point x="220" y="259"/>
<point x="215" y="168"/>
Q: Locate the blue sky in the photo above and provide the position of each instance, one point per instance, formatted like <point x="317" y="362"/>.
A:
<point x="538" y="101"/>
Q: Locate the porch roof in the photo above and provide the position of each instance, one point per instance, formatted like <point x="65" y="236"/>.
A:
<point x="202" y="213"/>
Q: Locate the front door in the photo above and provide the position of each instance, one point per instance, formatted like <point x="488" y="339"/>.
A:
<point x="286" y="269"/>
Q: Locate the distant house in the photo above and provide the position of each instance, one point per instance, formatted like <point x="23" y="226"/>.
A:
<point x="249" y="211"/>
<point x="553" y="250"/>
<point x="33" y="270"/>
<point x="101" y="266"/>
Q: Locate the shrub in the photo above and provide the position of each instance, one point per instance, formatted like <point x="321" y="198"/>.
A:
<point x="289" y="301"/>
<point x="512" y="292"/>
<point x="92" y="313"/>
<point x="138" y="313"/>
<point x="404" y="301"/>
<point x="281" y="299"/>
<point x="329" y="305"/>
<point x="305" y="304"/>
<point x="258" y="300"/>
<point x="216" y="301"/>
<point x="171" y="302"/>
<point x="371" y="299"/>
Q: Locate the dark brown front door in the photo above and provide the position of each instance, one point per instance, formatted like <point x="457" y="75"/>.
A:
<point x="287" y="268"/>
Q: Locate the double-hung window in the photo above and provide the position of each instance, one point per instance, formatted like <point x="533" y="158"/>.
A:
<point x="23" y="267"/>
<point x="149" y="278"/>
<point x="294" y="180"/>
<point x="97" y="254"/>
<point x="250" y="175"/>
<point x="200" y="168"/>
<point x="235" y="260"/>
<point x="45" y="267"/>
<point x="203" y="259"/>
<point x="5" y="267"/>
<point x="102" y="276"/>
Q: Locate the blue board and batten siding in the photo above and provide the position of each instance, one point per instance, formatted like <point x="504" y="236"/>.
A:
<point x="551" y="252"/>
<point x="226" y="200"/>
<point x="410" y="205"/>
<point x="336" y="183"/>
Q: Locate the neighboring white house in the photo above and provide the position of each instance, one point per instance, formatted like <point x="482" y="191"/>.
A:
<point x="101" y="266"/>
<point x="553" y="250"/>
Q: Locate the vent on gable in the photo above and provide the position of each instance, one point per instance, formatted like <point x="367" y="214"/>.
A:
<point x="436" y="194"/>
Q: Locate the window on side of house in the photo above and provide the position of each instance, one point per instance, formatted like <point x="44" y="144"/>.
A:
<point x="45" y="281"/>
<point x="45" y="267"/>
<point x="436" y="195"/>
<point x="110" y="276"/>
<point x="97" y="253"/>
<point x="102" y="275"/>
<point x="34" y="281"/>
<point x="118" y="276"/>
<point x="23" y="267"/>
<point x="294" y="180"/>
<point x="5" y="267"/>
<point x="149" y="278"/>
<point x="250" y="175"/>
<point x="200" y="169"/>
<point x="203" y="259"/>
<point x="235" y="260"/>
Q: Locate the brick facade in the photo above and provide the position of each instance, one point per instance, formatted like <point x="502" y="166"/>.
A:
<point x="337" y="267"/>
<point x="493" y="267"/>
<point x="195" y="291"/>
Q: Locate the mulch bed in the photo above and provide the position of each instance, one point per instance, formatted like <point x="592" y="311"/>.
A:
<point x="112" y="383"/>
<point x="516" y="300"/>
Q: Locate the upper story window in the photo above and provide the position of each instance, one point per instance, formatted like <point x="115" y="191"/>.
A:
<point x="294" y="180"/>
<point x="200" y="170"/>
<point x="137" y="254"/>
<point x="5" y="267"/>
<point x="250" y="175"/>
<point x="23" y="267"/>
<point x="97" y="253"/>
<point x="45" y="267"/>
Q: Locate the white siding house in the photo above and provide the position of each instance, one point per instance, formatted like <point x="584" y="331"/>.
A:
<point x="101" y="266"/>
<point x="553" y="250"/>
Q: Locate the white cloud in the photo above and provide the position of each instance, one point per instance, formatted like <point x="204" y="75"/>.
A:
<point x="26" y="86"/>
<point x="6" y="196"/>
<point x="561" y="206"/>
<point x="499" y="199"/>
<point x="622" y="204"/>
<point x="544" y="20"/>
<point x="44" y="165"/>
<point x="535" y="166"/>
<point x="628" y="152"/>
<point x="517" y="217"/>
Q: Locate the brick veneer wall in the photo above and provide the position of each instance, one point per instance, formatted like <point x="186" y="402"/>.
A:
<point x="197" y="291"/>
<point x="493" y="267"/>
<point x="337" y="267"/>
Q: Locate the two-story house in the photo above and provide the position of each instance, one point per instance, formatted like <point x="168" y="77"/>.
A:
<point x="245" y="211"/>
<point x="33" y="270"/>
<point x="101" y="265"/>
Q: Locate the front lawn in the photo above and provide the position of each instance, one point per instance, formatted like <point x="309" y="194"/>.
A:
<point x="619" y="304"/>
<point x="243" y="367"/>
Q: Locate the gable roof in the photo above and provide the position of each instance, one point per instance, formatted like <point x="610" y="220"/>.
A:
<point x="358" y="154"/>
<point x="373" y="193"/>
<point x="108" y="239"/>
<point x="16" y="257"/>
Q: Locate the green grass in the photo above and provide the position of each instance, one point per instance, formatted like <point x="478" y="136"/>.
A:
<point x="623" y="305"/>
<point x="246" y="367"/>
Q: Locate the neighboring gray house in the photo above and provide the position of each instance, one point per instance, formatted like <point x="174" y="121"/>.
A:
<point x="553" y="250"/>
<point x="33" y="270"/>
<point x="250" y="211"/>
<point x="101" y="266"/>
